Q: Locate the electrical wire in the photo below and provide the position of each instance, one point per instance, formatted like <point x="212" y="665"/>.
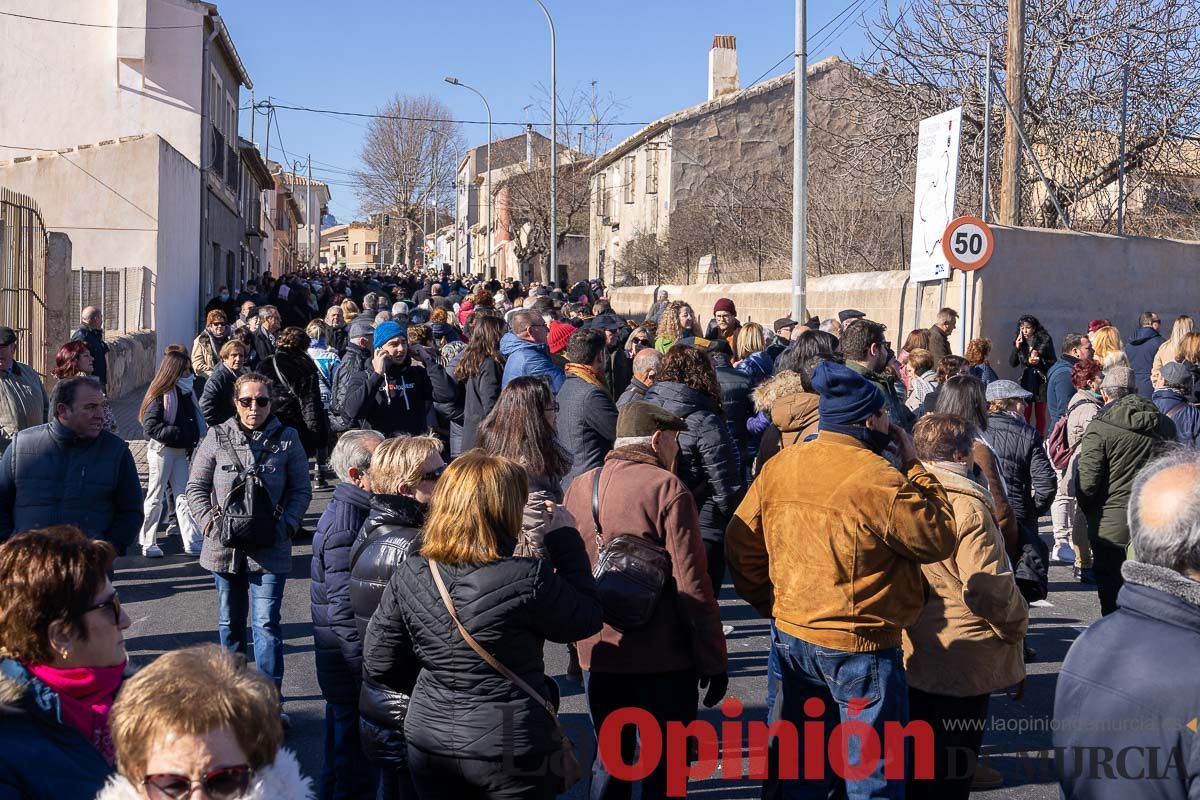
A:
<point x="400" y="118"/>
<point x="99" y="25"/>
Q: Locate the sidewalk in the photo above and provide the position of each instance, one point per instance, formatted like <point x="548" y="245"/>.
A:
<point x="129" y="429"/>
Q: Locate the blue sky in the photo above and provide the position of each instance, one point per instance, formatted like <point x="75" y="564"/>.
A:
<point x="651" y="54"/>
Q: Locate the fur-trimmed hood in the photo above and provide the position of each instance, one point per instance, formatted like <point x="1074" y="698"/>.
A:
<point x="1164" y="580"/>
<point x="279" y="781"/>
<point x="773" y="389"/>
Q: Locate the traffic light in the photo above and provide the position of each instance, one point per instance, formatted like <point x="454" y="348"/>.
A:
<point x="387" y="220"/>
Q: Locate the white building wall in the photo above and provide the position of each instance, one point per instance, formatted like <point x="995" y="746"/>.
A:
<point x="64" y="84"/>
<point x="125" y="204"/>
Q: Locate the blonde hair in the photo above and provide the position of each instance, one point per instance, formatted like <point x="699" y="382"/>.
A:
<point x="479" y="499"/>
<point x="668" y="321"/>
<point x="1189" y="349"/>
<point x="1104" y="341"/>
<point x="349" y="310"/>
<point x="749" y="340"/>
<point x="397" y="462"/>
<point x="1182" y="327"/>
<point x="195" y="691"/>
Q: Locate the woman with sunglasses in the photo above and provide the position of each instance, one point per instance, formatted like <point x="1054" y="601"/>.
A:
<point x="201" y="719"/>
<point x="404" y="472"/>
<point x="250" y="581"/>
<point x="63" y="645"/>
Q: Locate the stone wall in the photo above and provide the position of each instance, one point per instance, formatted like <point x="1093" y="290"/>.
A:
<point x="132" y="361"/>
<point x="1064" y="278"/>
<point x="886" y="297"/>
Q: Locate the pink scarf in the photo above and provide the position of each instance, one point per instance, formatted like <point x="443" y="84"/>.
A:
<point x="85" y="695"/>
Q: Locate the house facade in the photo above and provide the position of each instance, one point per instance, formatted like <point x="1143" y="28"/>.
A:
<point x="672" y="165"/>
<point x="163" y="68"/>
<point x="353" y="245"/>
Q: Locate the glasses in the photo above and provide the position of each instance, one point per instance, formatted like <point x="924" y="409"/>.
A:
<point x="261" y="402"/>
<point x="1156" y="322"/>
<point x="226" y="783"/>
<point x="433" y="475"/>
<point x="640" y="343"/>
<point x="114" y="603"/>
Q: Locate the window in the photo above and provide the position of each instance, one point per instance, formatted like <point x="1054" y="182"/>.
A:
<point x="651" y="172"/>
<point x="630" y="177"/>
<point x="602" y="194"/>
<point x="356" y="248"/>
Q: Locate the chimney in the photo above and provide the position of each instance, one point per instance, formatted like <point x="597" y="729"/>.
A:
<point x="722" y="67"/>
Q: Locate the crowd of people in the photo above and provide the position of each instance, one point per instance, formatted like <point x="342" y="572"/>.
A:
<point x="520" y="465"/>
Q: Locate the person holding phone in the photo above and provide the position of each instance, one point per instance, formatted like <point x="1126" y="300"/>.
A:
<point x="1033" y="351"/>
<point x="395" y="394"/>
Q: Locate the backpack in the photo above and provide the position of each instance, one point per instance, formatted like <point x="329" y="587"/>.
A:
<point x="247" y="517"/>
<point x="1056" y="443"/>
<point x="631" y="573"/>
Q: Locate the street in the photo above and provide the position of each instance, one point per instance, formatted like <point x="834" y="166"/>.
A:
<point x="172" y="603"/>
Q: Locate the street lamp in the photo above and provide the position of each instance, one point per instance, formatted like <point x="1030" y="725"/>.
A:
<point x="553" y="149"/>
<point x="800" y="167"/>
<point x="456" y="82"/>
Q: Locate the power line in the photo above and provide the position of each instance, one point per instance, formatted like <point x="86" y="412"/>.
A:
<point x="421" y="119"/>
<point x="792" y="53"/>
<point x="98" y="25"/>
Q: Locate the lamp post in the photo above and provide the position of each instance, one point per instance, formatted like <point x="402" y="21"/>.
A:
<point x="553" y="148"/>
<point x="456" y="82"/>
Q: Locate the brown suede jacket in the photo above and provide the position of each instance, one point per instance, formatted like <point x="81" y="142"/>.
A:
<point x="830" y="539"/>
<point x="638" y="496"/>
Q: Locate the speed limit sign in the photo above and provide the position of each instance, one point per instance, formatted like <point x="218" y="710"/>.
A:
<point x="968" y="243"/>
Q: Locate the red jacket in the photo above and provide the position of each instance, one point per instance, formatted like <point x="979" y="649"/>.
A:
<point x="638" y="496"/>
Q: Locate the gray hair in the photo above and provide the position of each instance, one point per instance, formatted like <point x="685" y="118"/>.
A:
<point x="1174" y="541"/>
<point x="266" y="312"/>
<point x="352" y="453"/>
<point x="631" y="441"/>
<point x="831" y="325"/>
<point x="1112" y="393"/>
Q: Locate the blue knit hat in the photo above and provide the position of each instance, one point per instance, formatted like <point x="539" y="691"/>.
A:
<point x="386" y="331"/>
<point x="847" y="398"/>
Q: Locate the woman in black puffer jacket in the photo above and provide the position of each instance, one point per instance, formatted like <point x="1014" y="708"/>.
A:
<point x="1029" y="479"/>
<point x="708" y="458"/>
<point x="470" y="731"/>
<point x="297" y="389"/>
<point x="403" y="474"/>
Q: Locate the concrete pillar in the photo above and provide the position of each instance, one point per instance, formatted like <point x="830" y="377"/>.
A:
<point x="708" y="271"/>
<point x="60" y="318"/>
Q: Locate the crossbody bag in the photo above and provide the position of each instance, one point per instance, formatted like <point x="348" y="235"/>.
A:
<point x="571" y="770"/>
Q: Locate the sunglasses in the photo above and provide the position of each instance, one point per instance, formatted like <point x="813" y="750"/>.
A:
<point x="433" y="475"/>
<point x="261" y="402"/>
<point x="114" y="603"/>
<point x="226" y="783"/>
<point x="640" y="343"/>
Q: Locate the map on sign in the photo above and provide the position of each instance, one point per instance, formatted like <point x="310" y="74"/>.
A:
<point x="933" y="206"/>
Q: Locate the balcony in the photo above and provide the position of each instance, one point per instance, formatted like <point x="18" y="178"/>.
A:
<point x="217" y="163"/>
<point x="232" y="169"/>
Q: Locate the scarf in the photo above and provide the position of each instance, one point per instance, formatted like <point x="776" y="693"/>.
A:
<point x="85" y="696"/>
<point x="876" y="441"/>
<point x="171" y="405"/>
<point x="585" y="373"/>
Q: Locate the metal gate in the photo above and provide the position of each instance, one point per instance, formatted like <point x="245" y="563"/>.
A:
<point x="23" y="253"/>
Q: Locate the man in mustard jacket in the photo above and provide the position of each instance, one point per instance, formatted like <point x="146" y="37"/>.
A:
<point x="829" y="542"/>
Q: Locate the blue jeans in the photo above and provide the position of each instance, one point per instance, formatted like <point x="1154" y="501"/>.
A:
<point x="864" y="687"/>
<point x="347" y="775"/>
<point x="260" y="596"/>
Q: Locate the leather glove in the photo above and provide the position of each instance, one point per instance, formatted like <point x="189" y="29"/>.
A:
<point x="717" y="686"/>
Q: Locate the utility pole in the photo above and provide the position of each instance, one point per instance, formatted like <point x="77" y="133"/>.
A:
<point x="1010" y="176"/>
<point x="800" y="167"/>
<point x="253" y="114"/>
<point x="308" y="215"/>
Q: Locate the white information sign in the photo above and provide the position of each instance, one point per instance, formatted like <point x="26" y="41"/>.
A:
<point x="933" y="208"/>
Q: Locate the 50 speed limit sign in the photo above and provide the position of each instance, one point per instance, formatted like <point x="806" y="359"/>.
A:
<point x="968" y="243"/>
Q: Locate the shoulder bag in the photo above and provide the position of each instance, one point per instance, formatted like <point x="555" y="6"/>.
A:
<point x="247" y="517"/>
<point x="570" y="770"/>
<point x="631" y="573"/>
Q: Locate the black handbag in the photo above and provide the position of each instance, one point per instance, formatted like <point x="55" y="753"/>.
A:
<point x="247" y="518"/>
<point x="631" y="573"/>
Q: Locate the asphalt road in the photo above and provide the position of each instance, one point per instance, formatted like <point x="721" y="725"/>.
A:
<point x="172" y="603"/>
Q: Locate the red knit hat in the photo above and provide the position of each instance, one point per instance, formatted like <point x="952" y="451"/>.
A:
<point x="725" y="304"/>
<point x="560" y="334"/>
<point x="1097" y="324"/>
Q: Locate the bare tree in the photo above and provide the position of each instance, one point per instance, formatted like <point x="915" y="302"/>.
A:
<point x="409" y="159"/>
<point x="584" y="130"/>
<point x="926" y="56"/>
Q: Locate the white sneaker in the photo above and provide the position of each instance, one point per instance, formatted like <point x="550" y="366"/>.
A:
<point x="153" y="551"/>
<point x="726" y="629"/>
<point x="1064" y="553"/>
